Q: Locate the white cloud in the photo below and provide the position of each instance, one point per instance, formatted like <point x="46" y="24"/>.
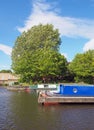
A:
<point x="71" y="27"/>
<point x="45" y="13"/>
<point x="5" y="67"/>
<point x="64" y="54"/>
<point x="89" y="45"/>
<point x="6" y="49"/>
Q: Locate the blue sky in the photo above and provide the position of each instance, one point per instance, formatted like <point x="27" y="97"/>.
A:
<point x="73" y="18"/>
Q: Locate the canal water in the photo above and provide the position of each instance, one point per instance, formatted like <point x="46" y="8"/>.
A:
<point x="21" y="111"/>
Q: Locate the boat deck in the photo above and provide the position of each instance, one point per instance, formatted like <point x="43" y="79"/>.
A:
<point x="65" y="99"/>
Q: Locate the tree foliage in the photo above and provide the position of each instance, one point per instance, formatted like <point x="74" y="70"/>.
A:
<point x="5" y="71"/>
<point x="35" y="54"/>
<point x="83" y="66"/>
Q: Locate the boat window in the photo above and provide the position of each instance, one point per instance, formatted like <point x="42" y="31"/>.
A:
<point x="75" y="90"/>
<point x="45" y="85"/>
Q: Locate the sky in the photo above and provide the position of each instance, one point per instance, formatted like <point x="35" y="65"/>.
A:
<point x="73" y="18"/>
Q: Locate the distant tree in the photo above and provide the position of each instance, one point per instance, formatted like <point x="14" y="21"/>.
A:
<point x="35" y="54"/>
<point x="5" y="71"/>
<point x="83" y="66"/>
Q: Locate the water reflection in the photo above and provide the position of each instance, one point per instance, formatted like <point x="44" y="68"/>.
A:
<point x="70" y="117"/>
<point x="20" y="111"/>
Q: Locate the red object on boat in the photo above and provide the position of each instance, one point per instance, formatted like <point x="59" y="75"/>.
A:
<point x="27" y="89"/>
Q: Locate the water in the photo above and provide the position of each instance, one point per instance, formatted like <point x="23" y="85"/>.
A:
<point x="20" y="111"/>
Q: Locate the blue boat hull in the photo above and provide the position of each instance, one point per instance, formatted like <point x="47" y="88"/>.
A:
<point x="75" y="90"/>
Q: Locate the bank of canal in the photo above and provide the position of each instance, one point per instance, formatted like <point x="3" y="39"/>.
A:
<point x="21" y="111"/>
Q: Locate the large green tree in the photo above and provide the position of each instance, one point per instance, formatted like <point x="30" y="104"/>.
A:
<point x="35" y="54"/>
<point x="83" y="66"/>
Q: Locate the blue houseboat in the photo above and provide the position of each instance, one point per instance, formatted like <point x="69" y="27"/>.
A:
<point x="68" y="94"/>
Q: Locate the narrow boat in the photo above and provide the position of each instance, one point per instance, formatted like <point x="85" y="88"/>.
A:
<point x="69" y="94"/>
